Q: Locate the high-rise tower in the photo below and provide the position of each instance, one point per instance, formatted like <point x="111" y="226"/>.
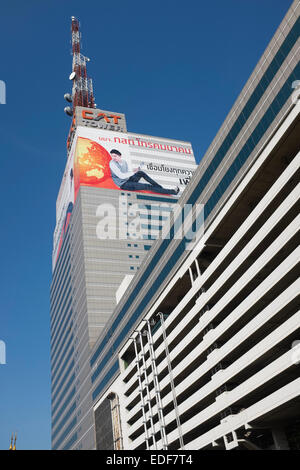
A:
<point x="117" y="191"/>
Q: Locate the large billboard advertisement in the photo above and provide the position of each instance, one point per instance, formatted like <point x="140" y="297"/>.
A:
<point x="64" y="205"/>
<point x="131" y="162"/>
<point x="123" y="162"/>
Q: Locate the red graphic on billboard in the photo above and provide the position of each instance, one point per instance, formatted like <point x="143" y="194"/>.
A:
<point x="91" y="166"/>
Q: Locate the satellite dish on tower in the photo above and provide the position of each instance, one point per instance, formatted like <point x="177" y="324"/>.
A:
<point x="68" y="97"/>
<point x="72" y="76"/>
<point x="68" y="110"/>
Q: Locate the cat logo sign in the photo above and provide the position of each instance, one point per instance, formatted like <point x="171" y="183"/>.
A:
<point x="109" y="118"/>
<point x="100" y="119"/>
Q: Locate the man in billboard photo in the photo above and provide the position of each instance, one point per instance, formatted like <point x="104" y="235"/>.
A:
<point x="129" y="180"/>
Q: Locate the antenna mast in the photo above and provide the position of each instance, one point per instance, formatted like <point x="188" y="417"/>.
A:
<point x="82" y="93"/>
<point x="82" y="90"/>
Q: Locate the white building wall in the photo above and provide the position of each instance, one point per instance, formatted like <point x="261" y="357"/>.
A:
<point x="186" y="414"/>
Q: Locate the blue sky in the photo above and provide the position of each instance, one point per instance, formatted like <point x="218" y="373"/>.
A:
<point x="173" y="67"/>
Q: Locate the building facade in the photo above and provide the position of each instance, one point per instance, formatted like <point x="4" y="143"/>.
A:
<point x="101" y="238"/>
<point x="202" y="350"/>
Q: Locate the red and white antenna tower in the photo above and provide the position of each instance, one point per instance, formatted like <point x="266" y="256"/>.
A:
<point x="82" y="91"/>
<point x="82" y="85"/>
